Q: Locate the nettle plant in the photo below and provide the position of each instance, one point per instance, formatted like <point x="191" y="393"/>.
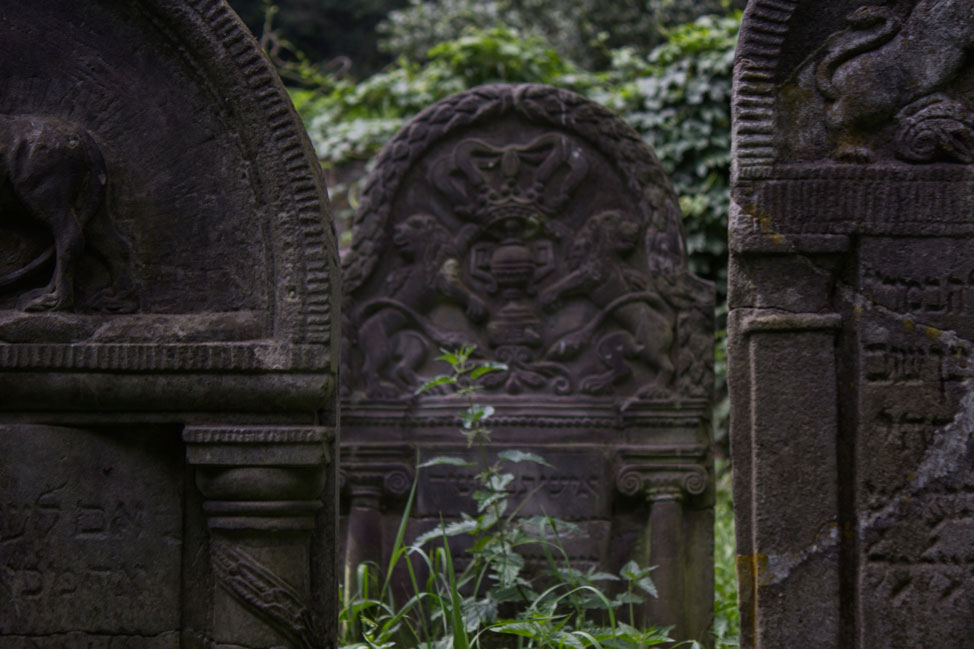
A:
<point x="494" y="595"/>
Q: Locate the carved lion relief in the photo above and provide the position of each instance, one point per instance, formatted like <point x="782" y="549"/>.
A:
<point x="894" y="82"/>
<point x="54" y="203"/>
<point x="396" y="327"/>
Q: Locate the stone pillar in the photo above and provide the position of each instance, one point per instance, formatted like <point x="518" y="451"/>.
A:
<point x="788" y="565"/>
<point x="371" y="478"/>
<point x="665" y="516"/>
<point x="669" y="484"/>
<point x="363" y="540"/>
<point x="262" y="487"/>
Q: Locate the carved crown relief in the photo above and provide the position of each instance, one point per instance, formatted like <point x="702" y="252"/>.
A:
<point x="54" y="208"/>
<point x="893" y="83"/>
<point x="532" y="248"/>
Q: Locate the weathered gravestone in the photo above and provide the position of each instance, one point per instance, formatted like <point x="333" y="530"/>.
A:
<point x="536" y="225"/>
<point x="852" y="295"/>
<point x="167" y="400"/>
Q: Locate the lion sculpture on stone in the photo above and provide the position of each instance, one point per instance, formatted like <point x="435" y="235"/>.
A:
<point x="393" y="331"/>
<point x="598" y="272"/>
<point x="883" y="67"/>
<point x="52" y="173"/>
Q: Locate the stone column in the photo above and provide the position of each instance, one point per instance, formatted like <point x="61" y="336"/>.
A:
<point x="789" y="564"/>
<point x="667" y="482"/>
<point x="666" y="516"/>
<point x="369" y="477"/>
<point x="363" y="540"/>
<point x="262" y="489"/>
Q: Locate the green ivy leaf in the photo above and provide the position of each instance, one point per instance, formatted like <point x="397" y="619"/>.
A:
<point x="445" y="459"/>
<point x="435" y="381"/>
<point x="522" y="456"/>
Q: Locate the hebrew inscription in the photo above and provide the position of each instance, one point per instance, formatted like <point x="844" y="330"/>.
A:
<point x="95" y="541"/>
<point x="914" y="453"/>
<point x="574" y="486"/>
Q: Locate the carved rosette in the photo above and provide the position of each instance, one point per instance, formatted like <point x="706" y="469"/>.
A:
<point x="261" y="488"/>
<point x="936" y="128"/>
<point x="383" y="471"/>
<point x="393" y="480"/>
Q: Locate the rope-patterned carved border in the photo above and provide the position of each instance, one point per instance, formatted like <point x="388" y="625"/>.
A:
<point x="266" y="595"/>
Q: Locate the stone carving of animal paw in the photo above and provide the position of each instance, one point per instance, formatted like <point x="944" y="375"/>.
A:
<point x="548" y="299"/>
<point x="110" y="301"/>
<point x="568" y="346"/>
<point x="43" y="300"/>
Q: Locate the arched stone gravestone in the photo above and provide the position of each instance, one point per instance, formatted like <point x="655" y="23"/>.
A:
<point x="850" y="327"/>
<point x="536" y="225"/>
<point x="167" y="280"/>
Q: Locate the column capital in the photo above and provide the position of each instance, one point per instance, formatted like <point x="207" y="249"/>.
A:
<point x="388" y="469"/>
<point x="663" y="473"/>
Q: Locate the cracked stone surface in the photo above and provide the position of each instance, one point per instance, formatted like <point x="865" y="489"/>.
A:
<point x="851" y="329"/>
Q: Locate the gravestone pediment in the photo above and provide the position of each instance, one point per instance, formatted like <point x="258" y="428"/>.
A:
<point x="160" y="216"/>
<point x="537" y="227"/>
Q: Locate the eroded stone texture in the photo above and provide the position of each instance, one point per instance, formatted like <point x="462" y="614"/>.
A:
<point x="850" y="328"/>
<point x="537" y="226"/>
<point x="167" y="274"/>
